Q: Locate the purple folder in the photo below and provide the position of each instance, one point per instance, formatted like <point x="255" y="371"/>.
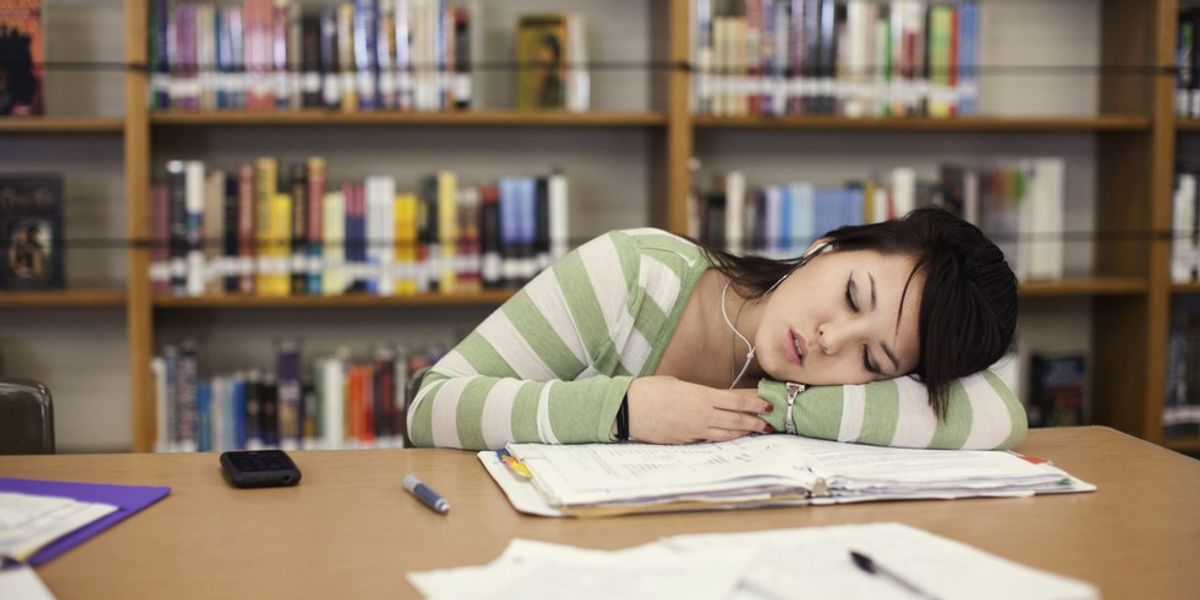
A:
<point x="129" y="499"/>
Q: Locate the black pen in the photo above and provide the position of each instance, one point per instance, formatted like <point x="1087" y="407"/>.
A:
<point x="865" y="563"/>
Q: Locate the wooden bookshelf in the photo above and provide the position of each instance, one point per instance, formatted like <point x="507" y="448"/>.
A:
<point x="52" y="125"/>
<point x="69" y="298"/>
<point x="1185" y="288"/>
<point x="1128" y="122"/>
<point x="1134" y="133"/>
<point x="485" y="298"/>
<point x="1091" y="286"/>
<point x="502" y="118"/>
<point x="1189" y="445"/>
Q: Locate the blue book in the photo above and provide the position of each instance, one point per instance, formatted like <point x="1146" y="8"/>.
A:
<point x="968" y="55"/>
<point x="237" y="410"/>
<point x="366" y="33"/>
<point x="527" y="226"/>
<point x="787" y="247"/>
<point x="203" y="416"/>
<point x="509" y="228"/>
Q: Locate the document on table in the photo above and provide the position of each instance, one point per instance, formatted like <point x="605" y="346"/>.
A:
<point x="29" y="522"/>
<point x="757" y="471"/>
<point x="22" y="583"/>
<point x="804" y="563"/>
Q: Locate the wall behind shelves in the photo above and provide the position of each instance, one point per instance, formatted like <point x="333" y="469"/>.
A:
<point x="82" y="356"/>
<point x="84" y="31"/>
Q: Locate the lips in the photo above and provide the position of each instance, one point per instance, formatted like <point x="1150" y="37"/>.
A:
<point x="796" y="347"/>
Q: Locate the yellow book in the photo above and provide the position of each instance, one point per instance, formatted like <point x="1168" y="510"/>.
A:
<point x="868" y="215"/>
<point x="266" y="174"/>
<point x="333" y="279"/>
<point x="448" y="230"/>
<point x="406" y="243"/>
<point x="279" y="281"/>
<point x="345" y="38"/>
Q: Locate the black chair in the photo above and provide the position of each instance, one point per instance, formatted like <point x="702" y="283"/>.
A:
<point x="26" y="417"/>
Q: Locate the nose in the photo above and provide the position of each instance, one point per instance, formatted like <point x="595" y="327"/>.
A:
<point x="832" y="337"/>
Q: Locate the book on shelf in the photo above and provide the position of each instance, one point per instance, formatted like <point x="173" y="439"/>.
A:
<point x="330" y="402"/>
<point x="1056" y="396"/>
<point x="552" y="63"/>
<point x="1181" y="406"/>
<point x="31" y="232"/>
<point x="250" y="231"/>
<point x="22" y="54"/>
<point x="1018" y="203"/>
<point x="277" y="55"/>
<point x="1185" y="233"/>
<point x="1187" y="72"/>
<point x="852" y="58"/>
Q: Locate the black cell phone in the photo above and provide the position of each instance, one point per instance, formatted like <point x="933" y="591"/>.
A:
<point x="259" y="468"/>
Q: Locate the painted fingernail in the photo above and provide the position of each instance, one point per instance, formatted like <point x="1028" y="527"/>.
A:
<point x="768" y="407"/>
<point x="768" y="429"/>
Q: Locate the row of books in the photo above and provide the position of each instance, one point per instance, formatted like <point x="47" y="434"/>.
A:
<point x="251" y="232"/>
<point x="1185" y="226"/>
<point x="334" y="402"/>
<point x="1019" y="204"/>
<point x="1181" y="406"/>
<point x="22" y="55"/>
<point x="266" y="55"/>
<point x="851" y="58"/>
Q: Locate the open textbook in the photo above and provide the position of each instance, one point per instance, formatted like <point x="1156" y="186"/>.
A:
<point x="768" y="470"/>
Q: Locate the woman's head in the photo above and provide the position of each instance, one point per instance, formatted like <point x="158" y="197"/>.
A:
<point x="927" y="294"/>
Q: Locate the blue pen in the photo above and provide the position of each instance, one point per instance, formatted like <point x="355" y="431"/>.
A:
<point x="425" y="494"/>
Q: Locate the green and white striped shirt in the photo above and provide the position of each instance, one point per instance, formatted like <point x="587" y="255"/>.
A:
<point x="552" y="364"/>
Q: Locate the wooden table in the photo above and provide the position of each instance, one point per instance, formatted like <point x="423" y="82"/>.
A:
<point x="350" y="530"/>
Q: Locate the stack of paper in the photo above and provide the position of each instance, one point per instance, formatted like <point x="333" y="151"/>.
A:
<point x="791" y="563"/>
<point x="29" y="522"/>
<point x="604" y="479"/>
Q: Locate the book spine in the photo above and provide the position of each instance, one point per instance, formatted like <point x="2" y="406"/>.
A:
<point x="160" y="253"/>
<point x="311" y="95"/>
<point x="331" y="78"/>
<point x="315" y="197"/>
<point x="194" y="202"/>
<point x="541" y="231"/>
<point x="185" y="396"/>
<point x="289" y="391"/>
<point x="334" y="231"/>
<point x="246" y="229"/>
<point x="347" y="66"/>
<point x="447" y="231"/>
<point x="366" y="29"/>
<point x="230" y="248"/>
<point x="492" y="268"/>
<point x="265" y="186"/>
<point x="298" y="244"/>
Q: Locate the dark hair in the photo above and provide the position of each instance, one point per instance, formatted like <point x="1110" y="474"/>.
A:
<point x="968" y="305"/>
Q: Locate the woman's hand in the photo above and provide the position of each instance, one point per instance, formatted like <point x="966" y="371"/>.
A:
<point x="666" y="410"/>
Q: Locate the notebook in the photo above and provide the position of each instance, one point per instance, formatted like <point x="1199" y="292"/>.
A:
<point x="87" y="508"/>
<point x="591" y="480"/>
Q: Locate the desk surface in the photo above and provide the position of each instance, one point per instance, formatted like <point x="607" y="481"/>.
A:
<point x="350" y="530"/>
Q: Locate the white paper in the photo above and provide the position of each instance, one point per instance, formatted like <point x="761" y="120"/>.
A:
<point x="22" y="583"/>
<point x="29" y="522"/>
<point x="814" y="562"/>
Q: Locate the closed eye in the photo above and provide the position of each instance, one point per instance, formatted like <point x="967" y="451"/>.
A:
<point x="850" y="295"/>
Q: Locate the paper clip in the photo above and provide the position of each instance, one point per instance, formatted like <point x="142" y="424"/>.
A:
<point x="517" y="467"/>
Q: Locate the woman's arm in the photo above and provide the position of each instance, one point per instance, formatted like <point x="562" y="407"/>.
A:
<point x="982" y="413"/>
<point x="514" y="377"/>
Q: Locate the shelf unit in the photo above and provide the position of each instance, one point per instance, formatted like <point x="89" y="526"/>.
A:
<point x="1134" y="132"/>
<point x="68" y="298"/>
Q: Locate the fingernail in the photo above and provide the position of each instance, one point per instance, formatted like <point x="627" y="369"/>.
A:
<point x="768" y="407"/>
<point x="768" y="429"/>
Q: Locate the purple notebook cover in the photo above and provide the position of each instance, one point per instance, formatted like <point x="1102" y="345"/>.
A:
<point x="129" y="499"/>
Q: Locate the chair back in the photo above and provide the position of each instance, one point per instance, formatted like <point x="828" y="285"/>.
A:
<point x="26" y="417"/>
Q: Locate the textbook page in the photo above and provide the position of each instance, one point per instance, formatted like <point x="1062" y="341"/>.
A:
<point x="28" y="522"/>
<point x="591" y="473"/>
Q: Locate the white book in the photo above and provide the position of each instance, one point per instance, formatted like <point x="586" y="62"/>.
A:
<point x="1183" y="248"/>
<point x="333" y="384"/>
<point x="971" y="197"/>
<point x="803" y="216"/>
<point x="162" y="418"/>
<point x="735" y="210"/>
<point x="1048" y="205"/>
<point x="386" y="231"/>
<point x="194" y="201"/>
<point x="904" y="190"/>
<point x="579" y="92"/>
<point x="402" y="11"/>
<point x="560" y="234"/>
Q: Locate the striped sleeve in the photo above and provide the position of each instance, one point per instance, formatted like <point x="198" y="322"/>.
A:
<point x="982" y="413"/>
<point x="545" y="366"/>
